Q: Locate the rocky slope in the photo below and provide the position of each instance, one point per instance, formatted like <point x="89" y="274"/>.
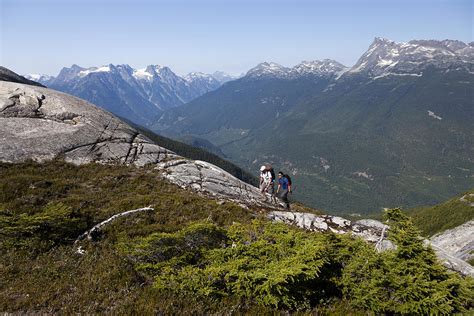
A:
<point x="42" y="124"/>
<point x="459" y="241"/>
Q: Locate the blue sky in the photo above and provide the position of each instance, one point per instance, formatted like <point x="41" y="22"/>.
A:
<point x="42" y="36"/>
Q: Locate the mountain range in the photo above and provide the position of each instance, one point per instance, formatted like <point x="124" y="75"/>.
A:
<point x="395" y="129"/>
<point x="138" y="95"/>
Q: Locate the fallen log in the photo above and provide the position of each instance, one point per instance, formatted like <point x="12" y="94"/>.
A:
<point x="88" y="234"/>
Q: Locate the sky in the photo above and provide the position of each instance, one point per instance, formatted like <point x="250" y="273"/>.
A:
<point x="42" y="36"/>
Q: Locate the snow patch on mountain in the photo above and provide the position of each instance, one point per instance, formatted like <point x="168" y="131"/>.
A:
<point x="396" y="74"/>
<point x="84" y="73"/>
<point x="142" y="74"/>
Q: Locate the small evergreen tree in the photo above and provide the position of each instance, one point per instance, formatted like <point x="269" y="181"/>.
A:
<point x="408" y="280"/>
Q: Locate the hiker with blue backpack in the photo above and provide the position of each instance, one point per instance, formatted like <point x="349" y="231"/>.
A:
<point x="284" y="187"/>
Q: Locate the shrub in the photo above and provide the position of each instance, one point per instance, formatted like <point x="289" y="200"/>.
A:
<point x="55" y="224"/>
<point x="273" y="264"/>
<point x="408" y="280"/>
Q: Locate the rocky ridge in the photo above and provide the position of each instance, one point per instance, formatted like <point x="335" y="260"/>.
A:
<point x="458" y="240"/>
<point x="43" y="124"/>
<point x="315" y="68"/>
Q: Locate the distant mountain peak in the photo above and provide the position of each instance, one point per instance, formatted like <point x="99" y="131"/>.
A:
<point x="196" y="74"/>
<point x="223" y="77"/>
<point x="39" y="77"/>
<point x="382" y="40"/>
<point x="268" y="69"/>
<point x="385" y="57"/>
<point x="206" y="79"/>
<point x="305" y="68"/>
<point x="318" y="67"/>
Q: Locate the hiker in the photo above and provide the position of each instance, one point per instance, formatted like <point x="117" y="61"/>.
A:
<point x="267" y="179"/>
<point x="284" y="187"/>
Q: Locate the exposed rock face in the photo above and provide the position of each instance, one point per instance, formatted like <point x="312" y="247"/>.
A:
<point x="459" y="241"/>
<point x="42" y="124"/>
<point x="450" y="252"/>
<point x="370" y="230"/>
<point x="204" y="177"/>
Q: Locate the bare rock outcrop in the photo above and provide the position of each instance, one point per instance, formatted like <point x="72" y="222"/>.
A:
<point x="42" y="124"/>
<point x="458" y="241"/>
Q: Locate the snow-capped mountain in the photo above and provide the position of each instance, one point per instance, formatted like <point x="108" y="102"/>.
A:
<point x="202" y="82"/>
<point x="326" y="67"/>
<point x="135" y="94"/>
<point x="222" y="77"/>
<point x="318" y="67"/>
<point x="39" y="77"/>
<point x="385" y="57"/>
<point x="268" y="69"/>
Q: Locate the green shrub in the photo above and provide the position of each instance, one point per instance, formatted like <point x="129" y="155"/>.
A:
<point x="274" y="264"/>
<point x="55" y="224"/>
<point x="408" y="280"/>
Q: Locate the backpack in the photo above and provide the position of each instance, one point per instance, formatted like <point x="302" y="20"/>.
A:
<point x="273" y="174"/>
<point x="289" y="179"/>
<point x="270" y="168"/>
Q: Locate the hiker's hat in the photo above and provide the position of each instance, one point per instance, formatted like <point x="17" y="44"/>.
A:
<point x="262" y="168"/>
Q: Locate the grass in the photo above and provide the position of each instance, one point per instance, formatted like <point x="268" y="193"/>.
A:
<point x="50" y="277"/>
<point x="44" y="274"/>
<point x="45" y="207"/>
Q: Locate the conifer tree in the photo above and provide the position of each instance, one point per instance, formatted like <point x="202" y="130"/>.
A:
<point x="406" y="280"/>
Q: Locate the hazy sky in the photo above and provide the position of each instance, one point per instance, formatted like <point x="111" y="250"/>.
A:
<point x="42" y="36"/>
